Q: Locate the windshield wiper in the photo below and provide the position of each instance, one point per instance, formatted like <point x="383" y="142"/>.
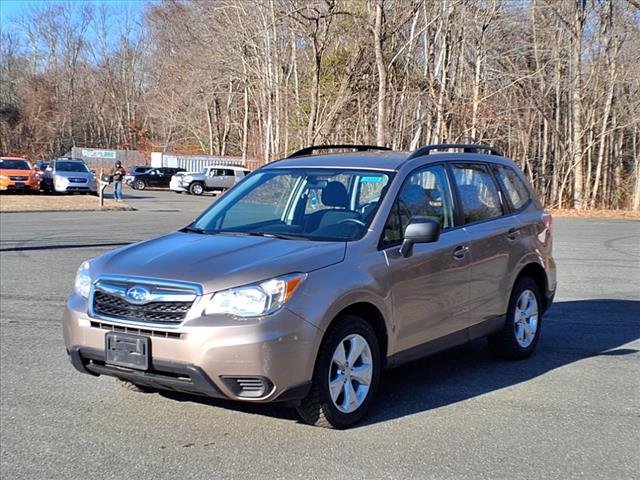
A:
<point x="283" y="236"/>
<point x="196" y="230"/>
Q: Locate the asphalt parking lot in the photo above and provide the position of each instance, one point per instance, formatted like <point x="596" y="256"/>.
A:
<point x="570" y="411"/>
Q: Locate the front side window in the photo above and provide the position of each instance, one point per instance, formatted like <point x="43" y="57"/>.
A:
<point x="514" y="187"/>
<point x="478" y="192"/>
<point x="300" y="203"/>
<point x="425" y="193"/>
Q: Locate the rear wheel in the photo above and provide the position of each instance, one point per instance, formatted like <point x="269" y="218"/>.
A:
<point x="519" y="336"/>
<point x="139" y="185"/>
<point x="134" y="387"/>
<point x="346" y="375"/>
<point x="196" y="188"/>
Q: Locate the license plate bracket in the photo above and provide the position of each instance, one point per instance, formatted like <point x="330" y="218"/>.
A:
<point x="127" y="350"/>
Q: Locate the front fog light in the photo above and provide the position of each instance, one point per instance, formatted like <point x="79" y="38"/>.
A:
<point x="83" y="280"/>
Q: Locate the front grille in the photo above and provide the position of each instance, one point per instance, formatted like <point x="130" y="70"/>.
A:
<point x="78" y="180"/>
<point x="19" y="179"/>
<point x="170" y="313"/>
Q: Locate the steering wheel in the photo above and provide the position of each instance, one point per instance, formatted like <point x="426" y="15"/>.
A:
<point x="367" y="205"/>
<point x="353" y="220"/>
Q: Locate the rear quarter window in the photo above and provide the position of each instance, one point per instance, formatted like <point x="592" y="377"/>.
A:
<point x="514" y="186"/>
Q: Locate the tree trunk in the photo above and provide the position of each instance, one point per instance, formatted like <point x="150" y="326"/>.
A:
<point x="378" y="37"/>
<point x="577" y="153"/>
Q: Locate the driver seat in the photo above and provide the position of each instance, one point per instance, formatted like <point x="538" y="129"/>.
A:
<point x="333" y="195"/>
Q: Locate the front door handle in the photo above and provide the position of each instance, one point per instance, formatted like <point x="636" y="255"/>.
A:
<point x="513" y="233"/>
<point x="460" y="252"/>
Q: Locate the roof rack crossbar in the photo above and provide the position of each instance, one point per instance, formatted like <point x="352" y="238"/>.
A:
<point x="466" y="147"/>
<point x="313" y="148"/>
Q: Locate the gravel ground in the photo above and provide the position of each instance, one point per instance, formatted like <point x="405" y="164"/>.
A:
<point x="570" y="411"/>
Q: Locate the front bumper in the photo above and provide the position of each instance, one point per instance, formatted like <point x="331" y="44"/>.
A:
<point x="76" y="187"/>
<point x="178" y="187"/>
<point x="10" y="185"/>
<point x="205" y="359"/>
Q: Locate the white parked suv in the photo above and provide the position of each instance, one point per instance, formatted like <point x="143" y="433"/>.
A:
<point x="214" y="178"/>
<point x="175" y="185"/>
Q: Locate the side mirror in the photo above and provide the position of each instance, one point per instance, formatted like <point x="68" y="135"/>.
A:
<point x="419" y="230"/>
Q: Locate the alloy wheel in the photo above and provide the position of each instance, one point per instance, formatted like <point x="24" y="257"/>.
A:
<point x="350" y="373"/>
<point x="526" y="318"/>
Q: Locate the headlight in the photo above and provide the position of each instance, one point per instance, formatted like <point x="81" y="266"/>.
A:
<point x="61" y="181"/>
<point x="255" y="300"/>
<point x="83" y="280"/>
<point x="4" y="177"/>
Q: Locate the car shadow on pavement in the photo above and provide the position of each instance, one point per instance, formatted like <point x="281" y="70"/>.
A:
<point x="571" y="331"/>
<point x="127" y="196"/>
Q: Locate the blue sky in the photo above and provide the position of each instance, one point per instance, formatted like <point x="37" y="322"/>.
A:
<point x="13" y="8"/>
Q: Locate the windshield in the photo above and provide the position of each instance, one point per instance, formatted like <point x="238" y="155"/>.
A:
<point x="298" y="203"/>
<point x="14" y="165"/>
<point x="71" y="167"/>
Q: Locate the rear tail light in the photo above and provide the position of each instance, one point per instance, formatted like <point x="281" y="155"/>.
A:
<point x="547" y="219"/>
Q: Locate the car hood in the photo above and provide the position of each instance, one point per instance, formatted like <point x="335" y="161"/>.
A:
<point x="217" y="262"/>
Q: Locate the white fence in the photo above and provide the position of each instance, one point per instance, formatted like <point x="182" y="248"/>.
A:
<point x="195" y="163"/>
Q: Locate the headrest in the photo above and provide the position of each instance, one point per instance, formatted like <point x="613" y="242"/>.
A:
<point x="335" y="195"/>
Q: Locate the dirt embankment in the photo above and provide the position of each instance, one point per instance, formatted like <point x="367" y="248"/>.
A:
<point x="44" y="203"/>
<point x="622" y="214"/>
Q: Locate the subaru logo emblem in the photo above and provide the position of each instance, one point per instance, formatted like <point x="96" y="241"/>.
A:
<point x="137" y="294"/>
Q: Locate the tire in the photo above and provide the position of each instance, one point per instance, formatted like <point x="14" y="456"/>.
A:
<point x="515" y="341"/>
<point x="196" y="188"/>
<point x="318" y="408"/>
<point x="139" y="185"/>
<point x="134" y="387"/>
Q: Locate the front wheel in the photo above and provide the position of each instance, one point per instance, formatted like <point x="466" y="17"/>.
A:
<point x="139" y="185"/>
<point x="519" y="336"/>
<point x="196" y="188"/>
<point x="346" y="375"/>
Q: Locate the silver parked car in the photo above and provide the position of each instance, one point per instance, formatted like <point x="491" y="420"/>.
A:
<point x="68" y="175"/>
<point x="317" y="272"/>
<point x="212" y="179"/>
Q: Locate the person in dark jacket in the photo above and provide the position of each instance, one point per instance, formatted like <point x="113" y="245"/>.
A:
<point x="118" y="174"/>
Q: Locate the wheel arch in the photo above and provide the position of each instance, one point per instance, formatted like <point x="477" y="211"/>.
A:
<point x="374" y="317"/>
<point x="537" y="273"/>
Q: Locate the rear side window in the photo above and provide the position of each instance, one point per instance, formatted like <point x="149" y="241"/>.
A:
<point x="425" y="193"/>
<point x="478" y="192"/>
<point x="514" y="187"/>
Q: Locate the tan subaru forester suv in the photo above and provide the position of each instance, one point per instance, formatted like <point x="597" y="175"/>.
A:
<point x="317" y="272"/>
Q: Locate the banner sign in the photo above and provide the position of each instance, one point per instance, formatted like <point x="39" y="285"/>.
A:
<point x="99" y="154"/>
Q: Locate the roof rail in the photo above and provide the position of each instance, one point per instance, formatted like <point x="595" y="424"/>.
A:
<point x="309" y="150"/>
<point x="466" y="147"/>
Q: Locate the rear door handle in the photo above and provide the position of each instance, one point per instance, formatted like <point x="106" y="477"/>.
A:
<point x="459" y="252"/>
<point x="513" y="233"/>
